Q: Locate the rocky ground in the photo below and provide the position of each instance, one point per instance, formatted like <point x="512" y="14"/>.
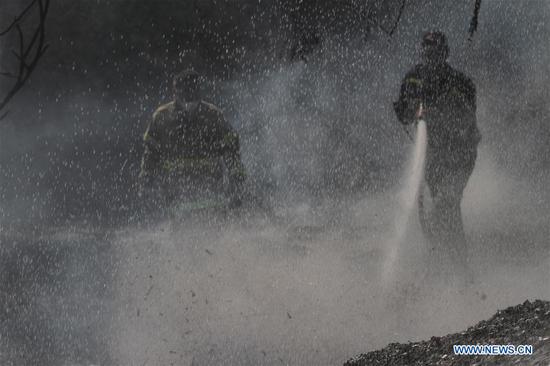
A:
<point x="528" y="323"/>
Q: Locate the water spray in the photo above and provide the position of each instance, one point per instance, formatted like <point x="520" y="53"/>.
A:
<point x="408" y="195"/>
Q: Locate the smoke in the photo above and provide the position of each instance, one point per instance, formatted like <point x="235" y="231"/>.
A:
<point x="310" y="290"/>
<point x="303" y="285"/>
<point x="240" y="292"/>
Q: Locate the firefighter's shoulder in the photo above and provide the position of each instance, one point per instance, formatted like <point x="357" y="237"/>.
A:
<point x="466" y="83"/>
<point x="211" y="108"/>
<point x="415" y="75"/>
<point x="163" y="111"/>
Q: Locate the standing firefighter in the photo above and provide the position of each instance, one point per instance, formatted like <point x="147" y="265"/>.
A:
<point x="191" y="152"/>
<point x="446" y="99"/>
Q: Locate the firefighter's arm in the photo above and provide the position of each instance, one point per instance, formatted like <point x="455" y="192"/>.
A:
<point x="463" y="97"/>
<point x="410" y="97"/>
<point x="470" y="95"/>
<point x="232" y="157"/>
<point x="151" y="159"/>
<point x="471" y="106"/>
<point x="230" y="149"/>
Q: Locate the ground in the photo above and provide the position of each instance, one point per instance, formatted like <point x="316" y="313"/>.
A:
<point x="525" y="324"/>
<point x="309" y="284"/>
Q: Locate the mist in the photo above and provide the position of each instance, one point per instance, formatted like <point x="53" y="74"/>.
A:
<point x="86" y="281"/>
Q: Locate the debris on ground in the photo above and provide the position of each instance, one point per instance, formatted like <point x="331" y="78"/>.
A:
<point x="524" y="324"/>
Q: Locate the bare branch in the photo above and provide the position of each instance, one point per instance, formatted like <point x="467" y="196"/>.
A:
<point x="474" y="21"/>
<point x="22" y="64"/>
<point x="7" y="74"/>
<point x="20" y="56"/>
<point x="397" y="20"/>
<point x="18" y="18"/>
<point x="29" y="54"/>
<point x="398" y="17"/>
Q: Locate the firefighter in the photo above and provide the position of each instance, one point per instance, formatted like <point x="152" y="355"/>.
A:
<point x="446" y="99"/>
<point x="190" y="150"/>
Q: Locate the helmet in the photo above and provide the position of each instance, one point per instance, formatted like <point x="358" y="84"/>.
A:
<point x="434" y="47"/>
<point x="185" y="78"/>
<point x="187" y="86"/>
<point x="434" y="38"/>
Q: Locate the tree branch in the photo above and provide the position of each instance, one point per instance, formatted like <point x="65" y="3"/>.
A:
<point x="18" y="18"/>
<point x="399" y="14"/>
<point x="27" y="59"/>
<point x="474" y="21"/>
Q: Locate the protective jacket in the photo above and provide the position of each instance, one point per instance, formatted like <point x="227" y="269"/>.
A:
<point x="449" y="101"/>
<point x="190" y="150"/>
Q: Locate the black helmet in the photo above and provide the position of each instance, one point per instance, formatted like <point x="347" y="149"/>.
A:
<point x="187" y="86"/>
<point x="185" y="78"/>
<point x="434" y="38"/>
<point x="435" y="47"/>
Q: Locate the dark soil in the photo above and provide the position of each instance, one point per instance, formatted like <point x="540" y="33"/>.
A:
<point x="528" y="323"/>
